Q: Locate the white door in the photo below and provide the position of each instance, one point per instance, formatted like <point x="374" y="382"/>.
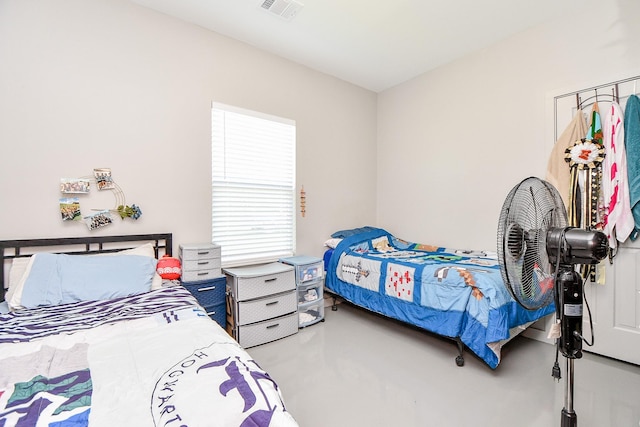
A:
<point x="615" y="307"/>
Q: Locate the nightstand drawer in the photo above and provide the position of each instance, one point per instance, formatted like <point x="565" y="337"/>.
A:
<point x="307" y="268"/>
<point x="218" y="313"/>
<point x="310" y="313"/>
<point x="269" y="330"/>
<point x="266" y="308"/>
<point x="310" y="291"/>
<point x="195" y="252"/>
<point x="208" y="293"/>
<point x="246" y="283"/>
<point x="200" y="275"/>
<point x="201" y="264"/>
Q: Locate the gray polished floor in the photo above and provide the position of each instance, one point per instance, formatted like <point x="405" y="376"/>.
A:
<point x="358" y="369"/>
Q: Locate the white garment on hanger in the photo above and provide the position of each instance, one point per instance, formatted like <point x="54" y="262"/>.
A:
<point x="618" y="222"/>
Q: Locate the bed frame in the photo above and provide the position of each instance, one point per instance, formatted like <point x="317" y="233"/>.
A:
<point x="10" y="249"/>
<point x="338" y="299"/>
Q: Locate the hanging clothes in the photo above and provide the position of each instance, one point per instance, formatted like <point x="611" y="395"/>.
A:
<point x="618" y="220"/>
<point x="557" y="171"/>
<point x="585" y="157"/>
<point x="632" y="144"/>
<point x="586" y="206"/>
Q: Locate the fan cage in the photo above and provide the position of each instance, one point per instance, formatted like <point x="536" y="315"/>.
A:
<point x="530" y="210"/>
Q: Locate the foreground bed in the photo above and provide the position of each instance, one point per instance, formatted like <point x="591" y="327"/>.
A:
<point x="152" y="358"/>
<point x="456" y="294"/>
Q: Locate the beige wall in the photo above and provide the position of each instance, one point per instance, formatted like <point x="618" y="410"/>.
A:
<point x="452" y="142"/>
<point x="108" y="83"/>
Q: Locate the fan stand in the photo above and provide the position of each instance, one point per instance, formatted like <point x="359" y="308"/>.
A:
<point x="569" y="417"/>
<point x="570" y="298"/>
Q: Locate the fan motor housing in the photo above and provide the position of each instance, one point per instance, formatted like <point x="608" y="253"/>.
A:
<point x="576" y="246"/>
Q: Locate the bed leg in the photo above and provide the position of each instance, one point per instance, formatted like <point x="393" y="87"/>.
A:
<point x="334" y="307"/>
<point x="460" y="357"/>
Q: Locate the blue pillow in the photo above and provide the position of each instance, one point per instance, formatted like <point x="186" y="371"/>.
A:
<point x="351" y="231"/>
<point x="59" y="279"/>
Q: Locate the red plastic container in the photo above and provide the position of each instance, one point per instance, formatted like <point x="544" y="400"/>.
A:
<point x="169" y="268"/>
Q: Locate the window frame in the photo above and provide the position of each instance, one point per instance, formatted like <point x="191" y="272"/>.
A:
<point x="247" y="186"/>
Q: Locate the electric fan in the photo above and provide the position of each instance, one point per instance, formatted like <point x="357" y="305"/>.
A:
<point x="537" y="253"/>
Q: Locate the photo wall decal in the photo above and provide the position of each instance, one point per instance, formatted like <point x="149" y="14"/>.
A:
<point x="102" y="178"/>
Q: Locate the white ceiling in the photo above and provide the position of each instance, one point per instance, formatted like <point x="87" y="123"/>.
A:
<point x="371" y="43"/>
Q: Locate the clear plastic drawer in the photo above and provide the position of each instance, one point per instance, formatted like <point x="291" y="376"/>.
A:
<point x="310" y="313"/>
<point x="307" y="268"/>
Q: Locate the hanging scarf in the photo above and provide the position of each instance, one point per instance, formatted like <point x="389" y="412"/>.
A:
<point x="586" y="207"/>
<point x="585" y="161"/>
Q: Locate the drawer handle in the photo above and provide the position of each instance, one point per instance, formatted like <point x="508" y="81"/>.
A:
<point x="273" y="279"/>
<point x="273" y="326"/>
<point x="203" y="253"/>
<point x="203" y="262"/>
<point x="272" y="303"/>
<point x="210" y="288"/>
<point x="203" y="274"/>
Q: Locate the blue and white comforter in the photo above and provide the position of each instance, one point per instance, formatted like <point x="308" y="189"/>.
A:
<point x="449" y="292"/>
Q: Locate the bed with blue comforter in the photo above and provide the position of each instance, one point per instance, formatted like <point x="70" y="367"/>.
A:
<point x="454" y="293"/>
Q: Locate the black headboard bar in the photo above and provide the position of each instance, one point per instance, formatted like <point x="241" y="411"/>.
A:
<point x="92" y="245"/>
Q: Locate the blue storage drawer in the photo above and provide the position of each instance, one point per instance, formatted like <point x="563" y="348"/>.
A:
<point x="209" y="293"/>
<point x="218" y="313"/>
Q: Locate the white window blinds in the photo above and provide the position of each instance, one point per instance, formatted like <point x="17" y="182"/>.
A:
<point x="253" y="185"/>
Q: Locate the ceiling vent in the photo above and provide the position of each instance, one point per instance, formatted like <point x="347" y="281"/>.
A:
<point x="287" y="9"/>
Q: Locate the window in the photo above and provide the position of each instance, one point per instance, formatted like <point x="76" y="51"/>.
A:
<point x="253" y="185"/>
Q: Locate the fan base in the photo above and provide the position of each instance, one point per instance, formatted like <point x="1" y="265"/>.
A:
<point x="569" y="419"/>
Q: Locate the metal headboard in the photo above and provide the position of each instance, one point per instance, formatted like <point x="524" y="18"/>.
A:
<point x="10" y="249"/>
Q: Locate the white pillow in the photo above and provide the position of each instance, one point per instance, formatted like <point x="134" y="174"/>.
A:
<point x="13" y="297"/>
<point x="332" y="243"/>
<point x="145" y="250"/>
<point x="20" y="268"/>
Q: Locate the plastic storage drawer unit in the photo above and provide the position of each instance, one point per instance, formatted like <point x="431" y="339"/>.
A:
<point x="262" y="303"/>
<point x="200" y="262"/>
<point x="202" y="276"/>
<point x="211" y="296"/>
<point x="309" y="288"/>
